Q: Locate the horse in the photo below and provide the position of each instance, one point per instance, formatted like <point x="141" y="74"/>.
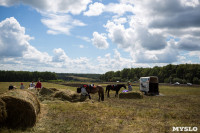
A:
<point x="93" y="90"/>
<point x="114" y="88"/>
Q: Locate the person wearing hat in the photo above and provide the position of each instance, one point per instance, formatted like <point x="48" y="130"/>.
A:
<point x="83" y="90"/>
<point x="22" y="86"/>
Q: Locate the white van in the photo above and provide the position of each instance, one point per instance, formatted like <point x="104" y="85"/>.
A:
<point x="149" y="85"/>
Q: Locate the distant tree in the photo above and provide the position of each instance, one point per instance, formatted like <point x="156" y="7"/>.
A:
<point x="195" y="80"/>
<point x="24" y="76"/>
<point x="177" y="80"/>
<point x="125" y="73"/>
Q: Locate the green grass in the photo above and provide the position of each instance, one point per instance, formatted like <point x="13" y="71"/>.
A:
<point x="179" y="106"/>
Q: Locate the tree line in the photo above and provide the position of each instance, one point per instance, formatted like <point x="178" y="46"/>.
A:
<point x="26" y="76"/>
<point x="182" y="73"/>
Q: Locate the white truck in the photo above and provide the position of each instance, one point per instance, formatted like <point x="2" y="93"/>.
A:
<point x="149" y="85"/>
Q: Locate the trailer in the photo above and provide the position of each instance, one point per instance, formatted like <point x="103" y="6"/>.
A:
<point x="149" y="85"/>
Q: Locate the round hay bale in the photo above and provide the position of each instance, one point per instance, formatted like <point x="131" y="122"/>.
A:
<point x="3" y="113"/>
<point x="131" y="95"/>
<point x="22" y="109"/>
<point x="68" y="95"/>
<point x="45" y="91"/>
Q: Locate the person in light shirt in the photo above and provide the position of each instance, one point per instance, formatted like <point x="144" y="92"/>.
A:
<point x="32" y="85"/>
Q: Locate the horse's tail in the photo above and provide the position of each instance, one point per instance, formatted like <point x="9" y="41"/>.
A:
<point x="101" y="92"/>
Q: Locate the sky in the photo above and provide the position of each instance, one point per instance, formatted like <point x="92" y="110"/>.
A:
<point x="96" y="36"/>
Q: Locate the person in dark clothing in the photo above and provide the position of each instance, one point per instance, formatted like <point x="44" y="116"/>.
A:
<point x="11" y="87"/>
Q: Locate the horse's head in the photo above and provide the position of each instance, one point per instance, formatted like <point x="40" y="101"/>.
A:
<point x="79" y="90"/>
<point x="123" y="85"/>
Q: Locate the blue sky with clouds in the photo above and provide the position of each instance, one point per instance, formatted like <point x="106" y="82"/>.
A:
<point x="96" y="36"/>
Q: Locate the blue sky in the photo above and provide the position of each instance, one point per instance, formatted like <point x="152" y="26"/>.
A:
<point x="96" y="36"/>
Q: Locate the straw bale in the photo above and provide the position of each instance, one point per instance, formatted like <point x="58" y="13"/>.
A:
<point x="69" y="96"/>
<point x="131" y="95"/>
<point x="3" y="113"/>
<point x="22" y="108"/>
<point x="46" y="91"/>
<point x="54" y="89"/>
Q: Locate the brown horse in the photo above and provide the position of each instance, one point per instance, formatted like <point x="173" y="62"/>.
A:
<point x="93" y="90"/>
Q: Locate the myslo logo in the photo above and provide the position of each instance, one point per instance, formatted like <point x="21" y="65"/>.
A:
<point x="191" y="129"/>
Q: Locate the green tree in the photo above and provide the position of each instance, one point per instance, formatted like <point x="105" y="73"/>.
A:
<point x="195" y="80"/>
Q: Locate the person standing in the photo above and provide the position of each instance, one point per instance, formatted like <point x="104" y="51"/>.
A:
<point x="38" y="85"/>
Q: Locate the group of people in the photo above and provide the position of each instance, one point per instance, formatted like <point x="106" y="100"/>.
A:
<point x="38" y="85"/>
<point x="31" y="86"/>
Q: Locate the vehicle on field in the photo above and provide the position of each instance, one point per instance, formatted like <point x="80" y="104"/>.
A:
<point x="177" y="83"/>
<point x="149" y="85"/>
<point x="189" y="84"/>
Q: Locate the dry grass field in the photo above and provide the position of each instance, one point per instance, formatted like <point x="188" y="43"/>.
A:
<point x="177" y="106"/>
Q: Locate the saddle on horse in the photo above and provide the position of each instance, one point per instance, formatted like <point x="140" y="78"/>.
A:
<point x="113" y="86"/>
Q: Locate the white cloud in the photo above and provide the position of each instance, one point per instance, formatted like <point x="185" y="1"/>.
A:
<point x="15" y="44"/>
<point x="55" y="13"/>
<point x="13" y="40"/>
<point x="87" y="39"/>
<point x="119" y="9"/>
<point x="145" y="38"/>
<point x="52" y="6"/>
<point x="32" y="59"/>
<point x="142" y="28"/>
<point x="95" y="9"/>
<point x="81" y="46"/>
<point x="120" y="20"/>
<point x="60" y="24"/>
<point x="99" y="40"/>
<point x="195" y="54"/>
<point x="119" y="35"/>
<point x="32" y="54"/>
<point x="60" y="55"/>
<point x="116" y="62"/>
<point x="192" y="3"/>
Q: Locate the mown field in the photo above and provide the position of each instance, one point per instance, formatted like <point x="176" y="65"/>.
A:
<point x="177" y="106"/>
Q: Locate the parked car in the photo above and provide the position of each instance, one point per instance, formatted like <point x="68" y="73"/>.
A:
<point x="177" y="83"/>
<point x="189" y="84"/>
